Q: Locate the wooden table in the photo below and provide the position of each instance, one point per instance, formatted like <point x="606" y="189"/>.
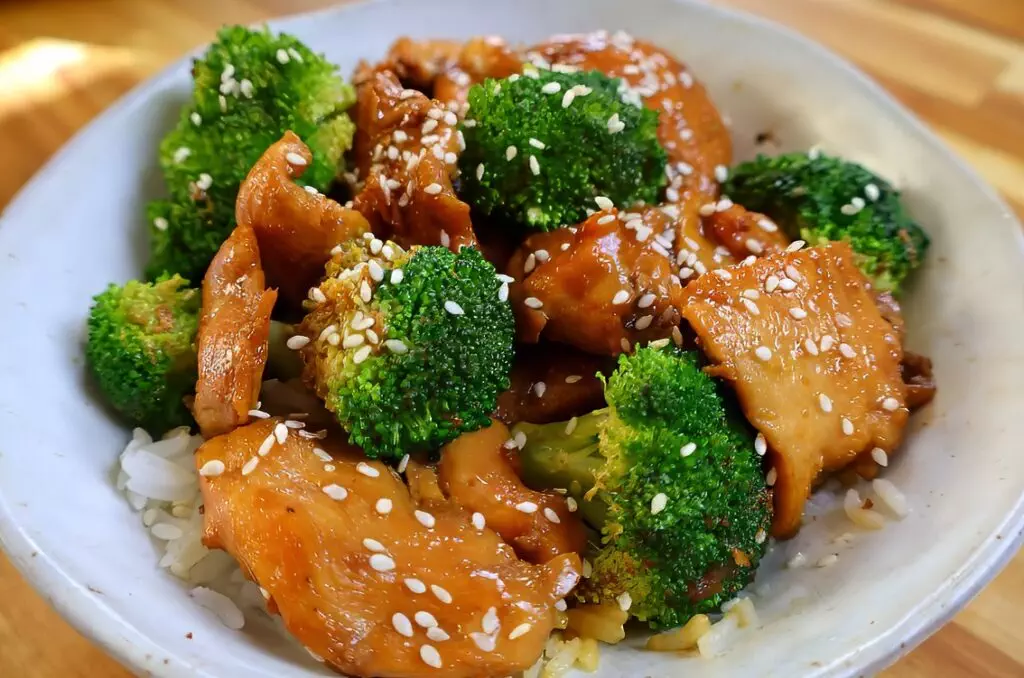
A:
<point x="958" y="63"/>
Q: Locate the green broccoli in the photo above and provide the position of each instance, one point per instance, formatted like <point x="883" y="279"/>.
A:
<point x="141" y="349"/>
<point x="818" y="198"/>
<point x="540" y="147"/>
<point x="249" y="88"/>
<point x="409" y="349"/>
<point x="671" y="482"/>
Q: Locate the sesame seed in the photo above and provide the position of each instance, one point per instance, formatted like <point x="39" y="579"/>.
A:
<point x="646" y="300"/>
<point x="450" y="158"/>
<point x="531" y="262"/>
<point x="571" y="504"/>
<point x="872" y="192"/>
<point x="658" y="503"/>
<point x="338" y="493"/>
<point x="425" y="619"/>
<point x="604" y="203"/>
<point x="160" y="224"/>
<point x="723" y="204"/>
<point x="334" y="339"/>
<point x="826" y="342"/>
<point x="383" y="506"/>
<point x="770" y="283"/>
<point x="436" y="633"/>
<point x="849" y="210"/>
<point x="551" y="88"/>
<point x="376" y="272"/>
<point x="643" y="322"/>
<point x="847" y="351"/>
<point x="798" y="313"/>
<point x="371" y="544"/>
<point x="296" y="342"/>
<point x="353" y="340"/>
<point x="771" y="477"/>
<point x="365" y="293"/>
<point x="688" y="449"/>
<point x="520" y="630"/>
<point x="568" y="97"/>
<point x="414" y="585"/>
<point x="430" y="656"/>
<point x="402" y="624"/>
<point x="588" y="569"/>
<point x="490" y="623"/>
<point x="573" y="378"/>
<point x="479" y="171"/>
<point x="396" y="346"/>
<point x="317" y="295"/>
<point x="266" y="446"/>
<point x="196" y="119"/>
<point x="537" y="143"/>
<point x="751" y="306"/>
<point x="763" y="353"/>
<point x="550" y="514"/>
<point x="787" y="285"/>
<point x="478" y="520"/>
<point x="880" y="456"/>
<point x="707" y="209"/>
<point x="322" y="454"/>
<point x="381" y="562"/>
<point x="282" y="56"/>
<point x="625" y="345"/>
<point x="362" y="354"/>
<point x="425" y="519"/>
<point x="827" y="561"/>
<point x="847" y="427"/>
<point x="533" y="302"/>
<point x="825" y="403"/>
<point x="483" y="641"/>
<point x="441" y="594"/>
<point x="367" y="470"/>
<point x="891" y="404"/>
<point x="793" y="273"/>
<point x="510" y="153"/>
<point x="212" y="468"/>
<point x="520" y="439"/>
<point x="204" y="181"/>
<point x="432" y="189"/>
<point x="526" y="507"/>
<point x="795" y="246"/>
<point x="621" y="297"/>
<point x="844" y="320"/>
<point x="453" y="308"/>
<point x="721" y="173"/>
<point x="281" y="433"/>
<point x="181" y="154"/>
<point x="445" y="238"/>
<point x="539" y="388"/>
<point x="503" y="292"/>
<point x="754" y="245"/>
<point x="534" y="165"/>
<point x="429" y="126"/>
<point x="760" y="445"/>
<point x="250" y="466"/>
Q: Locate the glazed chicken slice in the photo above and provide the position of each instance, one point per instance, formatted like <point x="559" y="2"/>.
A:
<point x="234" y="326"/>
<point x="407" y="152"/>
<point x="815" y="365"/>
<point x="296" y="228"/>
<point x="690" y="127"/>
<point x="364" y="578"/>
<point x="552" y="382"/>
<point x="742" y="232"/>
<point x="478" y="472"/>
<point x="601" y="287"/>
<point x="448" y="69"/>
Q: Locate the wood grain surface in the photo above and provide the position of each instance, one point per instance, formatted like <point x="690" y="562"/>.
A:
<point x="959" y="64"/>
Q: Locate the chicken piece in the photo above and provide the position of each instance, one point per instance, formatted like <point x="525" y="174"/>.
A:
<point x="234" y="326"/>
<point x="296" y="229"/>
<point x="689" y="126"/>
<point x="364" y="578"/>
<point x="552" y="382"/>
<point x="478" y="472"/>
<point x="742" y="232"/>
<point x="815" y="365"/>
<point x="407" y="152"/>
<point x="448" y="69"/>
<point x="695" y="252"/>
<point x="919" y="378"/>
<point x="600" y="287"/>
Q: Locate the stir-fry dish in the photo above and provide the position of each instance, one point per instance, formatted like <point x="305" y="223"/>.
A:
<point x="485" y="358"/>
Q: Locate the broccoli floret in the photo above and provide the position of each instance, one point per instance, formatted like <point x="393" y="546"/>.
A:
<point x="141" y="349"/>
<point x="669" y="479"/>
<point x="249" y="88"/>
<point x="410" y="349"/>
<point x="534" y="159"/>
<point x="819" y="198"/>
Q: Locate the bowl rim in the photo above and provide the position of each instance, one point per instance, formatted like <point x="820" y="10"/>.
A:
<point x="91" y="617"/>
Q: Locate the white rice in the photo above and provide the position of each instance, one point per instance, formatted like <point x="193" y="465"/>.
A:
<point x="161" y="483"/>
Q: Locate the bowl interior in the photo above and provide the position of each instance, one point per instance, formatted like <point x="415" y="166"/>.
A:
<point x="78" y="226"/>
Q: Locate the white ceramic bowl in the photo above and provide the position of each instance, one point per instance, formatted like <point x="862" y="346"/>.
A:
<point x="78" y="225"/>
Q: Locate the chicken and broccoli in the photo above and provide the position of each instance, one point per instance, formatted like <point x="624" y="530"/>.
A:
<point x="562" y="356"/>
